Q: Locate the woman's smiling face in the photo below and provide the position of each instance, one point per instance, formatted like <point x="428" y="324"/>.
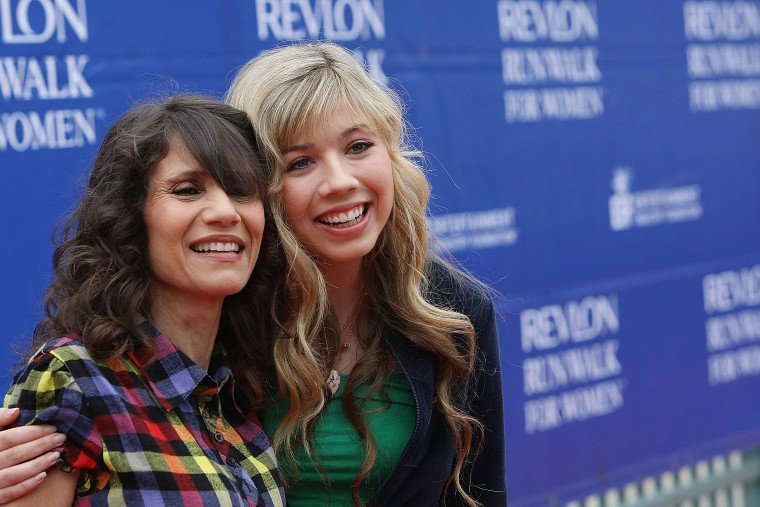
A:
<point x="338" y="188"/>
<point x="202" y="242"/>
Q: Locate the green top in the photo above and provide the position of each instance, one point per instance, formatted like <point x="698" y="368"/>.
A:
<point x="339" y="449"/>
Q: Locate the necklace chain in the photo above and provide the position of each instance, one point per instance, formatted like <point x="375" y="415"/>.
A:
<point x="347" y="326"/>
<point x="333" y="380"/>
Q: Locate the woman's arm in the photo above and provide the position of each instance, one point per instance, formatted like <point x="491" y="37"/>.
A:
<point x="25" y="454"/>
<point x="57" y="489"/>
<point x="488" y="476"/>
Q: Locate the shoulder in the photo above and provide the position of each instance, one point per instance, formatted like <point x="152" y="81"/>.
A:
<point x="64" y="349"/>
<point x="60" y="385"/>
<point x="57" y="365"/>
<point x="451" y="289"/>
<point x="62" y="354"/>
<point x="45" y="383"/>
<point x="53" y="355"/>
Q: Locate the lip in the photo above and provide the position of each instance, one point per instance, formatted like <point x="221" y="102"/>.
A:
<point x="349" y="230"/>
<point x="344" y="216"/>
<point x="215" y="239"/>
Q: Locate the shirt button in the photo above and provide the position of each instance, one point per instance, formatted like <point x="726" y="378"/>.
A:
<point x="231" y="462"/>
<point x="218" y="437"/>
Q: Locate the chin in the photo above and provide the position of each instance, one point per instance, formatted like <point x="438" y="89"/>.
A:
<point x="228" y="289"/>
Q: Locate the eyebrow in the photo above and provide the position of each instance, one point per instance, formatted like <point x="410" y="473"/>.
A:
<point x="188" y="174"/>
<point x="346" y="133"/>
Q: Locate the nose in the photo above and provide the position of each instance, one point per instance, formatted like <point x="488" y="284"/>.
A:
<point x="337" y="176"/>
<point x="221" y="209"/>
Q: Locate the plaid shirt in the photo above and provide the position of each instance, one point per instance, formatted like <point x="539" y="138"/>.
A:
<point x="162" y="433"/>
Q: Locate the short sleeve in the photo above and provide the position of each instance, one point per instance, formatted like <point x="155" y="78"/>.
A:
<point x="46" y="392"/>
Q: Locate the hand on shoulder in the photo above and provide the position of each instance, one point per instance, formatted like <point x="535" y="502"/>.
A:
<point x="26" y="453"/>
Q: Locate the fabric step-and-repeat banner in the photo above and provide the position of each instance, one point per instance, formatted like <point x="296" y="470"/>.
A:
<point x="596" y="162"/>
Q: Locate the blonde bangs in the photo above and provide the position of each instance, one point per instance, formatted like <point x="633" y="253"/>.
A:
<point x="315" y="99"/>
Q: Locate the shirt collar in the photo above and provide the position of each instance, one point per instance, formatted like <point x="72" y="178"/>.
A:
<point x="173" y="376"/>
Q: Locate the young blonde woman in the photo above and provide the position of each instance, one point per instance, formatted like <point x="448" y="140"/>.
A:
<point x="383" y="386"/>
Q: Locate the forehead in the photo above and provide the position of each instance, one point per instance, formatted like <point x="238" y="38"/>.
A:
<point x="320" y="124"/>
<point x="178" y="160"/>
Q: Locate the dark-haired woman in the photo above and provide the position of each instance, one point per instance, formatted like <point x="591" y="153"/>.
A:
<point x="147" y="314"/>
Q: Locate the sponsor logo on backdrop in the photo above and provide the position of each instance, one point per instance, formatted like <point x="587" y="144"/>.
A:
<point x="30" y="85"/>
<point x="646" y="208"/>
<point x="475" y="230"/>
<point x="571" y="370"/>
<point x="723" y="55"/>
<point x="732" y="327"/>
<point x="550" y="67"/>
<point x="338" y="20"/>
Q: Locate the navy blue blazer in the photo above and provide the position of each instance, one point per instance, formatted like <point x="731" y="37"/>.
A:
<point x="420" y="476"/>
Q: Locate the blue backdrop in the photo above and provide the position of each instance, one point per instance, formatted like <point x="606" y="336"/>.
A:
<point x="595" y="162"/>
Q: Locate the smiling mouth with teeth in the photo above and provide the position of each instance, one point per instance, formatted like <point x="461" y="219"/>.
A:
<point x="347" y="219"/>
<point x="216" y="247"/>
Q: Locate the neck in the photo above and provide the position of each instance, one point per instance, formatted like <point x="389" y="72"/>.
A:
<point x="345" y="288"/>
<point x="191" y="325"/>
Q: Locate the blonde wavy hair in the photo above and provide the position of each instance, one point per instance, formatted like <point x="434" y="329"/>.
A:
<point x="287" y="92"/>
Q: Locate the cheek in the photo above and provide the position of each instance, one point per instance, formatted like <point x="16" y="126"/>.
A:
<point x="384" y="187"/>
<point x="157" y="260"/>
<point x="294" y="201"/>
<point x="254" y="218"/>
<point x="150" y="238"/>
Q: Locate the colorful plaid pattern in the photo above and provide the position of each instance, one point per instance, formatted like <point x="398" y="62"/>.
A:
<point x="163" y="433"/>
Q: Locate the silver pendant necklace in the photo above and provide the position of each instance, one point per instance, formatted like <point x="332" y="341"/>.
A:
<point x="333" y="380"/>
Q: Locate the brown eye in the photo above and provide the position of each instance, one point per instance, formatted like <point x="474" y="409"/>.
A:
<point x="186" y="190"/>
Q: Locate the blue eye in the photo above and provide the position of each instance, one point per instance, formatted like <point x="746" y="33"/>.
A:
<point x="360" y="147"/>
<point x="298" y="165"/>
